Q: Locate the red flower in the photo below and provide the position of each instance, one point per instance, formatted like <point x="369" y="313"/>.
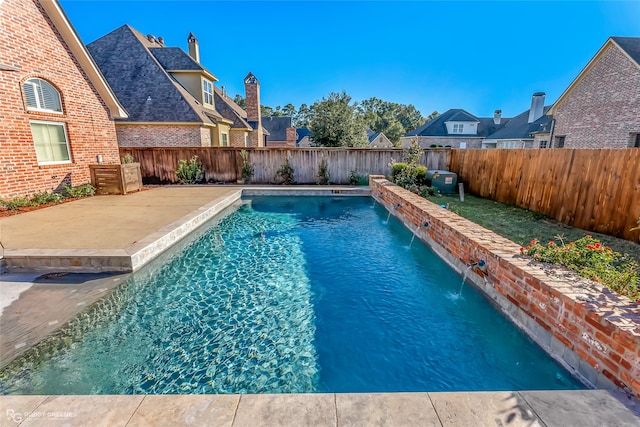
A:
<point x="590" y="247"/>
<point x="534" y="241"/>
<point x="588" y="236"/>
<point x="552" y="243"/>
<point x="521" y="249"/>
<point x="598" y="246"/>
<point x="607" y="248"/>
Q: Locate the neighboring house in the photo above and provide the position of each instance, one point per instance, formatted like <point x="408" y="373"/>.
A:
<point x="454" y="128"/>
<point x="458" y="129"/>
<point x="378" y="140"/>
<point x="281" y="133"/>
<point x="57" y="110"/>
<point x="530" y="129"/>
<point x="601" y="107"/>
<point x="171" y="98"/>
<point x="303" y="137"/>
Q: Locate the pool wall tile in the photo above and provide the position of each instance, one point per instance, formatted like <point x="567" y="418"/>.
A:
<point x="592" y="331"/>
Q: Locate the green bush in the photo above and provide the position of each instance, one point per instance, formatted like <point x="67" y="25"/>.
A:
<point x="17" y="202"/>
<point x="246" y="171"/>
<point x="128" y="158"/>
<point x="189" y="171"/>
<point x="354" y="178"/>
<point x="285" y="173"/>
<point x="323" y="172"/>
<point x="589" y="258"/>
<point x="399" y="173"/>
<point x="46" y="197"/>
<point x="84" y="190"/>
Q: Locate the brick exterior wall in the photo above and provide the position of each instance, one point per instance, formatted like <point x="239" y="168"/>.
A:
<point x="237" y="138"/>
<point x="31" y="43"/>
<point x="603" y="108"/>
<point x="252" y="102"/>
<point x="592" y="332"/>
<point x="163" y="136"/>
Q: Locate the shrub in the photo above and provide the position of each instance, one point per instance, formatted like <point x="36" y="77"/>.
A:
<point x="84" y="190"/>
<point x="428" y="191"/>
<point x="285" y="173"/>
<point x="398" y="170"/>
<point x="323" y="172"/>
<point x="246" y="172"/>
<point x="590" y="259"/>
<point x="354" y="178"/>
<point x="46" y="197"/>
<point x="128" y="158"/>
<point x="17" y="202"/>
<point x="189" y="171"/>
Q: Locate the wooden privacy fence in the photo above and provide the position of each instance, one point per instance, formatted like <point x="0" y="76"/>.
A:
<point x="596" y="190"/>
<point x="158" y="165"/>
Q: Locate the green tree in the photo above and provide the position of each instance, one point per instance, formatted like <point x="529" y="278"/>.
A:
<point x="336" y="122"/>
<point x="303" y="116"/>
<point x="239" y="99"/>
<point x="393" y="119"/>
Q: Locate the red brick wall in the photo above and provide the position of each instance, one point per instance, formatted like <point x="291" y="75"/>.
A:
<point x="594" y="332"/>
<point x="163" y="136"/>
<point x="237" y="139"/>
<point x="30" y="42"/>
<point x="604" y="106"/>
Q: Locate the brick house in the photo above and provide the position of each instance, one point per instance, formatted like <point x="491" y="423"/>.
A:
<point x="601" y="107"/>
<point x="456" y="128"/>
<point x="378" y="140"/>
<point x="56" y="115"/>
<point x="171" y="98"/>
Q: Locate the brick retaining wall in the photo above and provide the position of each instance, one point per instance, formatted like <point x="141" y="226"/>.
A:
<point x="591" y="330"/>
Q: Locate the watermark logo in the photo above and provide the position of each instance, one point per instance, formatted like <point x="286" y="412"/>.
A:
<point x="16" y="417"/>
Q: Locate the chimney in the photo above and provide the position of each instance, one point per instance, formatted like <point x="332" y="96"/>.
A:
<point x="537" y="106"/>
<point x="252" y="101"/>
<point x="497" y="116"/>
<point x="194" y="50"/>
<point x="161" y="41"/>
<point x="224" y="91"/>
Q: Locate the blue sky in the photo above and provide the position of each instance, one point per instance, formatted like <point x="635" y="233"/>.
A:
<point x="477" y="55"/>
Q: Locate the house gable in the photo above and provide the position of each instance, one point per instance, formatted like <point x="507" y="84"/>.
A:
<point x="601" y="107"/>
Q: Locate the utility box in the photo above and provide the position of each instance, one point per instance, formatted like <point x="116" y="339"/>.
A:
<point x="445" y="181"/>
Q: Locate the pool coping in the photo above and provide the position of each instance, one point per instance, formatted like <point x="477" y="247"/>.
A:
<point x="591" y="331"/>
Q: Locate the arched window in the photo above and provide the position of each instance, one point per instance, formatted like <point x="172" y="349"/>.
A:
<point x="42" y="96"/>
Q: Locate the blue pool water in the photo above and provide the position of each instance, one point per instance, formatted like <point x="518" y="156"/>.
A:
<point x="291" y="294"/>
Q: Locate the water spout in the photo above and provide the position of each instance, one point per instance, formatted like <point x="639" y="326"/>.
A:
<point x="388" y="216"/>
<point x="411" y="243"/>
<point x="464" y="278"/>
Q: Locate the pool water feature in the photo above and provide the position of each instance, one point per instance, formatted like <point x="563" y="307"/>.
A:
<point x="291" y="295"/>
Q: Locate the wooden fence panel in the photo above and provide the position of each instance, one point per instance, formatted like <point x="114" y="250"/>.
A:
<point x="596" y="190"/>
<point x="158" y="165"/>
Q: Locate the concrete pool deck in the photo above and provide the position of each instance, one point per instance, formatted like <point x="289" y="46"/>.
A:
<point x="33" y="307"/>
<point x="585" y="408"/>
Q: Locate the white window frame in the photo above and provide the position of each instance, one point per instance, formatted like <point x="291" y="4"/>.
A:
<point x="544" y="143"/>
<point x="458" y="128"/>
<point x="207" y="95"/>
<point x="66" y="137"/>
<point x="38" y="99"/>
<point x="224" y="139"/>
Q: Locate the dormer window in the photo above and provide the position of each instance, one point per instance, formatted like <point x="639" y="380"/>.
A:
<point x="207" y="88"/>
<point x="42" y="96"/>
<point x="458" y="127"/>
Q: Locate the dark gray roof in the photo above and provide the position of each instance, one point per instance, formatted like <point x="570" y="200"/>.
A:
<point x="301" y="133"/>
<point x="174" y="58"/>
<point x="143" y="86"/>
<point x="373" y="136"/>
<point x="230" y="110"/>
<point x="437" y="126"/>
<point x="631" y="45"/>
<point x="277" y="127"/>
<point x="462" y="116"/>
<point x="518" y="128"/>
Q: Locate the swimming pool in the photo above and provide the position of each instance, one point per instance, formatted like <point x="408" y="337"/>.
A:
<point x="288" y="295"/>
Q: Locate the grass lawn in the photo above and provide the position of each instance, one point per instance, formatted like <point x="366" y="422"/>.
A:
<point x="521" y="226"/>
